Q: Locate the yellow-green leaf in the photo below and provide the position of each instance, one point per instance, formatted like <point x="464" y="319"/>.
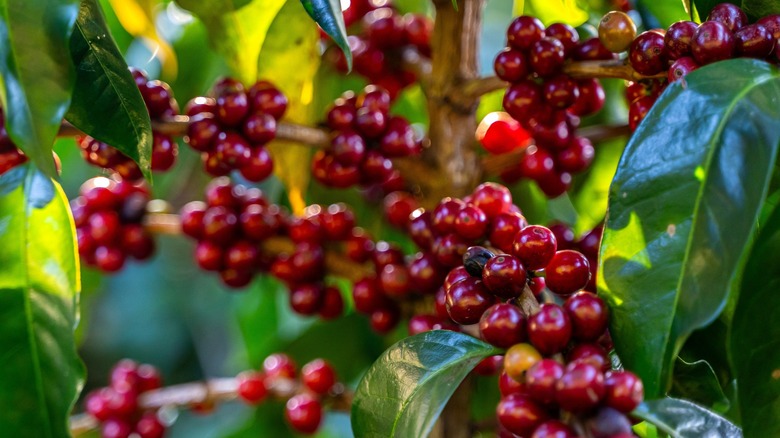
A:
<point x="553" y="11"/>
<point x="289" y="58"/>
<point x="137" y="17"/>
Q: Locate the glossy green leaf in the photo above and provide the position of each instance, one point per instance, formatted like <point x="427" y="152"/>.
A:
<point x="697" y="381"/>
<point x="590" y="198"/>
<point x="39" y="285"/>
<point x="37" y="72"/>
<point x="405" y="390"/>
<point x="237" y="34"/>
<point x="683" y="419"/>
<point x="106" y="102"/>
<point x="755" y="336"/>
<point x="327" y="13"/>
<point x="682" y="209"/>
<point x="756" y="9"/>
<point x="665" y="12"/>
<point x="552" y="11"/>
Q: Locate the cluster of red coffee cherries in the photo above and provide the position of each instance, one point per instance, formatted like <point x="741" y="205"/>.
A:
<point x="685" y="46"/>
<point x="232" y="128"/>
<point x="109" y="223"/>
<point x="547" y="102"/>
<point x="235" y="222"/>
<point x="365" y="137"/>
<point x="379" y="49"/>
<point x="161" y="106"/>
<point x="304" y="393"/>
<point x="116" y="407"/>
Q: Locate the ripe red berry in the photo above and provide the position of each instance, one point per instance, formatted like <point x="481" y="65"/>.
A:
<point x="567" y="272"/>
<point x="535" y="246"/>
<point x="540" y="380"/>
<point x="304" y="413"/>
<point x="549" y="330"/>
<point x="492" y="199"/>
<point x="445" y="214"/>
<point x="519" y="414"/>
<point x="677" y="40"/>
<point x="504" y="276"/>
<point x="318" y="376"/>
<point x="524" y="31"/>
<point x="564" y="33"/>
<point x="251" y="387"/>
<point x="115" y="428"/>
<point x="522" y="99"/>
<point x="647" y="53"/>
<point x="680" y="68"/>
<point x="279" y="365"/>
<point x="580" y="388"/>
<point x="499" y="133"/>
<point x="507" y="385"/>
<point x="467" y="300"/>
<point x="588" y="315"/>
<point x="547" y="56"/>
<point x="503" y="325"/>
<point x="624" y="391"/>
<point x="638" y="110"/>
<point x="503" y="229"/>
<point x="712" y="41"/>
<point x="470" y="223"/>
<point x="150" y="426"/>
<point x="730" y="15"/>
<point x="511" y="65"/>
<point x="386" y="318"/>
<point x="554" y="429"/>
<point x="754" y="41"/>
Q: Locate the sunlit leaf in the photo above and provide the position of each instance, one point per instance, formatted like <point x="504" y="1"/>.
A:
<point x="682" y="209"/>
<point x="405" y="390"/>
<point x="552" y="11"/>
<point x="138" y="19"/>
<point x="292" y="40"/>
<point x="39" y="285"/>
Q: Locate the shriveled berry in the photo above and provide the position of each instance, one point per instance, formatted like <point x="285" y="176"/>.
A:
<point x="475" y="258"/>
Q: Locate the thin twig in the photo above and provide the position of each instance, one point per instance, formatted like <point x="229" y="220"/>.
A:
<point x="177" y="126"/>
<point x="495" y="164"/>
<point x="473" y="89"/>
<point x="335" y="261"/>
<point x="208" y="393"/>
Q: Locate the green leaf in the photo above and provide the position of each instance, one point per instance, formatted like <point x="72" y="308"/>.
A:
<point x="37" y="72"/>
<point x="39" y="285"/>
<point x="682" y="209"/>
<point x="683" y="419"/>
<point x="236" y="34"/>
<point x="755" y="336"/>
<point x="756" y="9"/>
<point x="552" y="11"/>
<point x="590" y="198"/>
<point x="406" y="389"/>
<point x="665" y="12"/>
<point x="106" y="102"/>
<point x="327" y="13"/>
<point x="697" y="381"/>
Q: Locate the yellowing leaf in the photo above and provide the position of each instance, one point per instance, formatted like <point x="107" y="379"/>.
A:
<point x="290" y="58"/>
<point x="137" y="17"/>
<point x="237" y="34"/>
<point x="552" y="11"/>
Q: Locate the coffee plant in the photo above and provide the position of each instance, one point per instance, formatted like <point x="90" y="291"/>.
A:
<point x="461" y="218"/>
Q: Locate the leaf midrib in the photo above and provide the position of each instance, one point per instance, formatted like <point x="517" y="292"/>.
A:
<point x="421" y="383"/>
<point x="122" y="100"/>
<point x="39" y="387"/>
<point x="698" y="204"/>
